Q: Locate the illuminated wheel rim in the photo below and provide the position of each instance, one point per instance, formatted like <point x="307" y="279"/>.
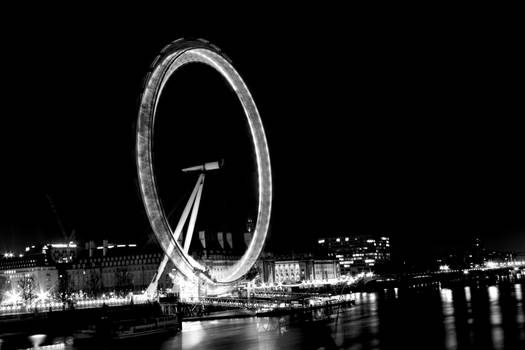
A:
<point x="171" y="58"/>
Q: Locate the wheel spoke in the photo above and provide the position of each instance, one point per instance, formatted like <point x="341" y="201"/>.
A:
<point x="194" y="212"/>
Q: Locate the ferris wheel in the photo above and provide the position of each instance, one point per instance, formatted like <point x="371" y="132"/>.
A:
<point x="175" y="55"/>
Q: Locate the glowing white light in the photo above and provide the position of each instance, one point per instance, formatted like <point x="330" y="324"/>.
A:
<point x="492" y="264"/>
<point x="519" y="294"/>
<point x="493" y="293"/>
<point x="59" y="245"/>
<point x="444" y="268"/>
<point x="174" y="57"/>
<point x="446" y="295"/>
<point x="12" y="297"/>
<point x="42" y="296"/>
<point x="37" y="339"/>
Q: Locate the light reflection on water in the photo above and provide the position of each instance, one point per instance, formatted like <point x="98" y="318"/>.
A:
<point x="458" y="318"/>
<point x="467" y="294"/>
<point x="495" y="317"/>
<point x="448" y="318"/>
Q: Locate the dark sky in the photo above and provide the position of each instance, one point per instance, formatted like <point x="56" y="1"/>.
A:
<point x="410" y="128"/>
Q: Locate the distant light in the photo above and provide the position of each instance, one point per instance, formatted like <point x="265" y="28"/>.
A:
<point x="111" y="246"/>
<point x="444" y="268"/>
<point x="321" y="241"/>
<point x="338" y="240"/>
<point x="120" y="245"/>
<point x="27" y="249"/>
<point x="12" y="298"/>
<point x="132" y="245"/>
<point x="492" y="264"/>
<point x="42" y="296"/>
<point x="59" y="245"/>
<point x="346" y="239"/>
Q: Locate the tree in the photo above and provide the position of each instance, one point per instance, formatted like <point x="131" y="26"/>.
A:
<point x="64" y="288"/>
<point x="3" y="286"/>
<point x="123" y="280"/>
<point x="94" y="283"/>
<point x="27" y="289"/>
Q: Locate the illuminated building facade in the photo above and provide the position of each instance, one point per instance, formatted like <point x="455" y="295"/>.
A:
<point x="357" y="253"/>
<point x="219" y="251"/>
<point x="34" y="272"/>
<point x="290" y="271"/>
<point x="93" y="270"/>
<point x="121" y="269"/>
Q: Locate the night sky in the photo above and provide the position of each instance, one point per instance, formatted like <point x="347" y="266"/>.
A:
<point x="410" y="129"/>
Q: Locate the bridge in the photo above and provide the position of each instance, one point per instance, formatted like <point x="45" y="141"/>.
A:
<point x="437" y="279"/>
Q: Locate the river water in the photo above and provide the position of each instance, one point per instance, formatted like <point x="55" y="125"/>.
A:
<point x="488" y="317"/>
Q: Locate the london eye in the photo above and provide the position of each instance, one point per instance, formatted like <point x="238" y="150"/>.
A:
<point x="175" y="240"/>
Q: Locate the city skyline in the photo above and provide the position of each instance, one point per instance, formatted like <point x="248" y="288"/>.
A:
<point x="333" y="180"/>
<point x="412" y="137"/>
